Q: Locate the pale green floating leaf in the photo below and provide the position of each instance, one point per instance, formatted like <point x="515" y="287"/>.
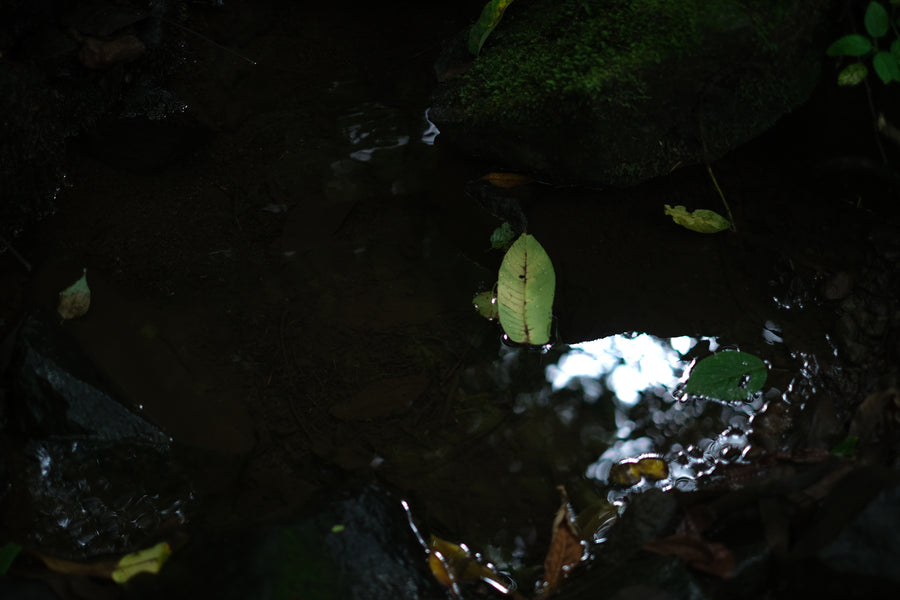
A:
<point x="728" y="376"/>
<point x="852" y="75"/>
<point x="700" y="220"/>
<point x="490" y="17"/>
<point x="486" y="304"/>
<point x="150" y="560"/>
<point x="502" y="236"/>
<point x="75" y="300"/>
<point x="525" y="288"/>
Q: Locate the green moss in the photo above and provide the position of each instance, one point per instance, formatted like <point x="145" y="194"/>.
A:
<point x="577" y="49"/>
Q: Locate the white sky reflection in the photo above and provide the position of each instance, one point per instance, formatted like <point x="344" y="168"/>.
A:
<point x="625" y="364"/>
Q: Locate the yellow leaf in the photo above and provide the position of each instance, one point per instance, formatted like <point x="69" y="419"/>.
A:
<point x="452" y="564"/>
<point x="700" y="220"/>
<point x="150" y="560"/>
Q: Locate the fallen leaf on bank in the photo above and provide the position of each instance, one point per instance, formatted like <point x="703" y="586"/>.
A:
<point x="75" y="300"/>
<point x="689" y="545"/>
<point x="149" y="560"/>
<point x="700" y="220"/>
<point x="507" y="180"/>
<point x="102" y="54"/>
<point x="567" y="549"/>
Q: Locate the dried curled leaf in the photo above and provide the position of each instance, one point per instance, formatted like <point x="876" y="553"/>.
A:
<point x="75" y="300"/>
<point x="700" y="220"/>
<point x="567" y="549"/>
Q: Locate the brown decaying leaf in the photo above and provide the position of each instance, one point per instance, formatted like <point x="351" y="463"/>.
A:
<point x="102" y="569"/>
<point x="507" y="180"/>
<point x="689" y="545"/>
<point x="567" y="549"/>
<point x="382" y="398"/>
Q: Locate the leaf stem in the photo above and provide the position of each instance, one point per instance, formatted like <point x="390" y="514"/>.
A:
<point x="722" y="196"/>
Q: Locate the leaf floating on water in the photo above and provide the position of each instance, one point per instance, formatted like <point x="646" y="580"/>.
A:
<point x="525" y="289"/>
<point x="452" y="565"/>
<point x="567" y="549"/>
<point x="630" y="471"/>
<point x="486" y="304"/>
<point x="507" y="180"/>
<point x="149" y="560"/>
<point x="75" y="300"/>
<point x="490" y="17"/>
<point x="700" y="220"/>
<point x="728" y="376"/>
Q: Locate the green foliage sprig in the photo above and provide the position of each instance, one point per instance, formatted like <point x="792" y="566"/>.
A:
<point x="885" y="56"/>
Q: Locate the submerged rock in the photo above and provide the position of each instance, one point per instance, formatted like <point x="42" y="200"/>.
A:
<point x="86" y="475"/>
<point x="619" y="92"/>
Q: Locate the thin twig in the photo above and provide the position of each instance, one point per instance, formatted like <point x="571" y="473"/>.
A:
<point x="5" y="245"/>
<point x="722" y="196"/>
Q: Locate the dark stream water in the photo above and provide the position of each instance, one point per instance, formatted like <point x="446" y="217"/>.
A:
<point x="282" y="276"/>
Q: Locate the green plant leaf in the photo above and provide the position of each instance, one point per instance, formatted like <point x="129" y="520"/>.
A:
<point x="886" y="67"/>
<point x="490" y="17"/>
<point x="877" y="20"/>
<point x="895" y="49"/>
<point x="850" y="45"/>
<point x="525" y="288"/>
<point x="502" y="236"/>
<point x="8" y="553"/>
<point x="700" y="220"/>
<point x="852" y="74"/>
<point x="729" y="376"/>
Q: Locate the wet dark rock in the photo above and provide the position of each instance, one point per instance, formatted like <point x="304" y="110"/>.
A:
<point x="357" y="544"/>
<point x="59" y="394"/>
<point x="869" y="545"/>
<point x="86" y="475"/>
<point x="617" y="93"/>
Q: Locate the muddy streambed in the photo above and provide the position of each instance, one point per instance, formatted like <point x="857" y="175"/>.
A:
<point x="289" y="301"/>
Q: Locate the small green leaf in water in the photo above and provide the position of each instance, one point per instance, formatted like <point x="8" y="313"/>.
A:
<point x="852" y="75"/>
<point x="850" y="45"/>
<point x="75" y="300"/>
<point x="502" y="237"/>
<point x="728" y="376"/>
<point x="8" y="553"/>
<point x="876" y="20"/>
<point x="490" y="17"/>
<point x="700" y="220"/>
<point x="886" y="67"/>
<point x="486" y="304"/>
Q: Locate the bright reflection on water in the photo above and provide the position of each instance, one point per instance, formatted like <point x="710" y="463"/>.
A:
<point x="628" y="365"/>
<point x="642" y="376"/>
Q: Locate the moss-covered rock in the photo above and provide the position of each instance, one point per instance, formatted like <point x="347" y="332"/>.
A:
<point x="618" y="91"/>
